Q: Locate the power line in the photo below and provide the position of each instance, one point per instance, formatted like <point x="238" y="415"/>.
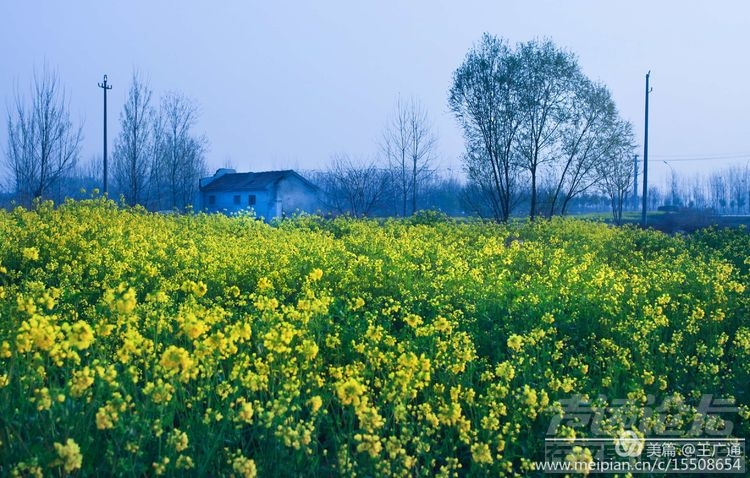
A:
<point x="700" y="157"/>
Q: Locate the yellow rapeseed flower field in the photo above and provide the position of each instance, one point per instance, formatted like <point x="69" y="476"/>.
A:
<point x="137" y="344"/>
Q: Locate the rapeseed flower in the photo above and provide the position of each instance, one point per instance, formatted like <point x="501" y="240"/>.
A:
<point x="69" y="455"/>
<point x="350" y="391"/>
<point x="177" y="361"/>
<point x="515" y="342"/>
<point x="106" y="417"/>
<point x="81" y="381"/>
<point x="138" y="324"/>
<point x="80" y="335"/>
<point x="243" y="466"/>
<point x="178" y="440"/>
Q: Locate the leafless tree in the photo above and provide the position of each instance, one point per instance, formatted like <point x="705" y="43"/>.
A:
<point x="695" y="192"/>
<point x="592" y="134"/>
<point x="179" y="154"/>
<point x="615" y="167"/>
<point x="91" y="169"/>
<point x="717" y="183"/>
<point x="409" y="145"/>
<point x="531" y="118"/>
<point x="134" y="146"/>
<point x="445" y="194"/>
<point x="546" y="86"/>
<point x="489" y="194"/>
<point x="43" y="144"/>
<point x="726" y="190"/>
<point x="738" y="188"/>
<point x="485" y="102"/>
<point x="674" y="196"/>
<point x="353" y="187"/>
<point x="655" y="197"/>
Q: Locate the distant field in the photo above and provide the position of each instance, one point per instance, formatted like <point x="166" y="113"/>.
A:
<point x="145" y="344"/>
<point x="678" y="221"/>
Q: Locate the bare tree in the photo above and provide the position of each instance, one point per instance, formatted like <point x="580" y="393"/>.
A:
<point x="615" y="167"/>
<point x="485" y="102"/>
<point x="134" y="146"/>
<point x="530" y="114"/>
<point x="592" y="134"/>
<point x="353" y="187"/>
<point x="694" y="191"/>
<point x="43" y="144"/>
<point x="91" y="169"/>
<point x="738" y="187"/>
<point x="409" y="145"/>
<point x="725" y="190"/>
<point x="179" y="160"/>
<point x="489" y="194"/>
<point x="655" y="197"/>
<point x="545" y="82"/>
<point x="674" y="197"/>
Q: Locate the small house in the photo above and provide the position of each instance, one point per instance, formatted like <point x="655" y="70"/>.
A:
<point x="270" y="194"/>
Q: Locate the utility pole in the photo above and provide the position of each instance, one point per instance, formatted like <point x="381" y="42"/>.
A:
<point x="105" y="87"/>
<point x="635" y="182"/>
<point x="645" y="156"/>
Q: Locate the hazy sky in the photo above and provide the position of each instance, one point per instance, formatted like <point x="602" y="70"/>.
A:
<point x="285" y="84"/>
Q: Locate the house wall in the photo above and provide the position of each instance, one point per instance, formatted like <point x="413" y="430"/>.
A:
<point x="296" y="196"/>
<point x="224" y="202"/>
<point x="287" y="196"/>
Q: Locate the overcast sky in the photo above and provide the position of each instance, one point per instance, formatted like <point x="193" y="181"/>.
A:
<point x="287" y="84"/>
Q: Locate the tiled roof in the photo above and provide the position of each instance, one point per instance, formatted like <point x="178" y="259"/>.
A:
<point x="246" y="181"/>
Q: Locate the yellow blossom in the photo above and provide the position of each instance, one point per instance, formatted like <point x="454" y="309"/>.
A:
<point x="515" y="342"/>
<point x="481" y="454"/>
<point x="106" y="417"/>
<point x="30" y="253"/>
<point x="42" y="398"/>
<point x="315" y="275"/>
<point x="178" y="440"/>
<point x="69" y="454"/>
<point x="245" y="467"/>
<point x="36" y="332"/>
<point x="413" y="320"/>
<point x="81" y="335"/>
<point x="315" y="403"/>
<point x="81" y="381"/>
<point x="350" y="391"/>
<point x="184" y="462"/>
<point x="177" y="360"/>
<point x="244" y="411"/>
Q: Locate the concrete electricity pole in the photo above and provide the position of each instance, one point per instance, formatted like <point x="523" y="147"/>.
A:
<point x="645" y="156"/>
<point x="635" y="182"/>
<point x="105" y="87"/>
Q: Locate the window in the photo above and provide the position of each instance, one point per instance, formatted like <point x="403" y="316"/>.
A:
<point x="251" y="200"/>
<point x="212" y="200"/>
<point x="237" y="199"/>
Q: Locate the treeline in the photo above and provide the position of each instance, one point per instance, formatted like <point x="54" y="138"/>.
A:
<point x="157" y="160"/>
<point x="369" y="191"/>
<point x="724" y="191"/>
<point x="541" y="139"/>
<point x="539" y="135"/>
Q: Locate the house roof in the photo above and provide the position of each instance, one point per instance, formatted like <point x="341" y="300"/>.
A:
<point x="250" y="181"/>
